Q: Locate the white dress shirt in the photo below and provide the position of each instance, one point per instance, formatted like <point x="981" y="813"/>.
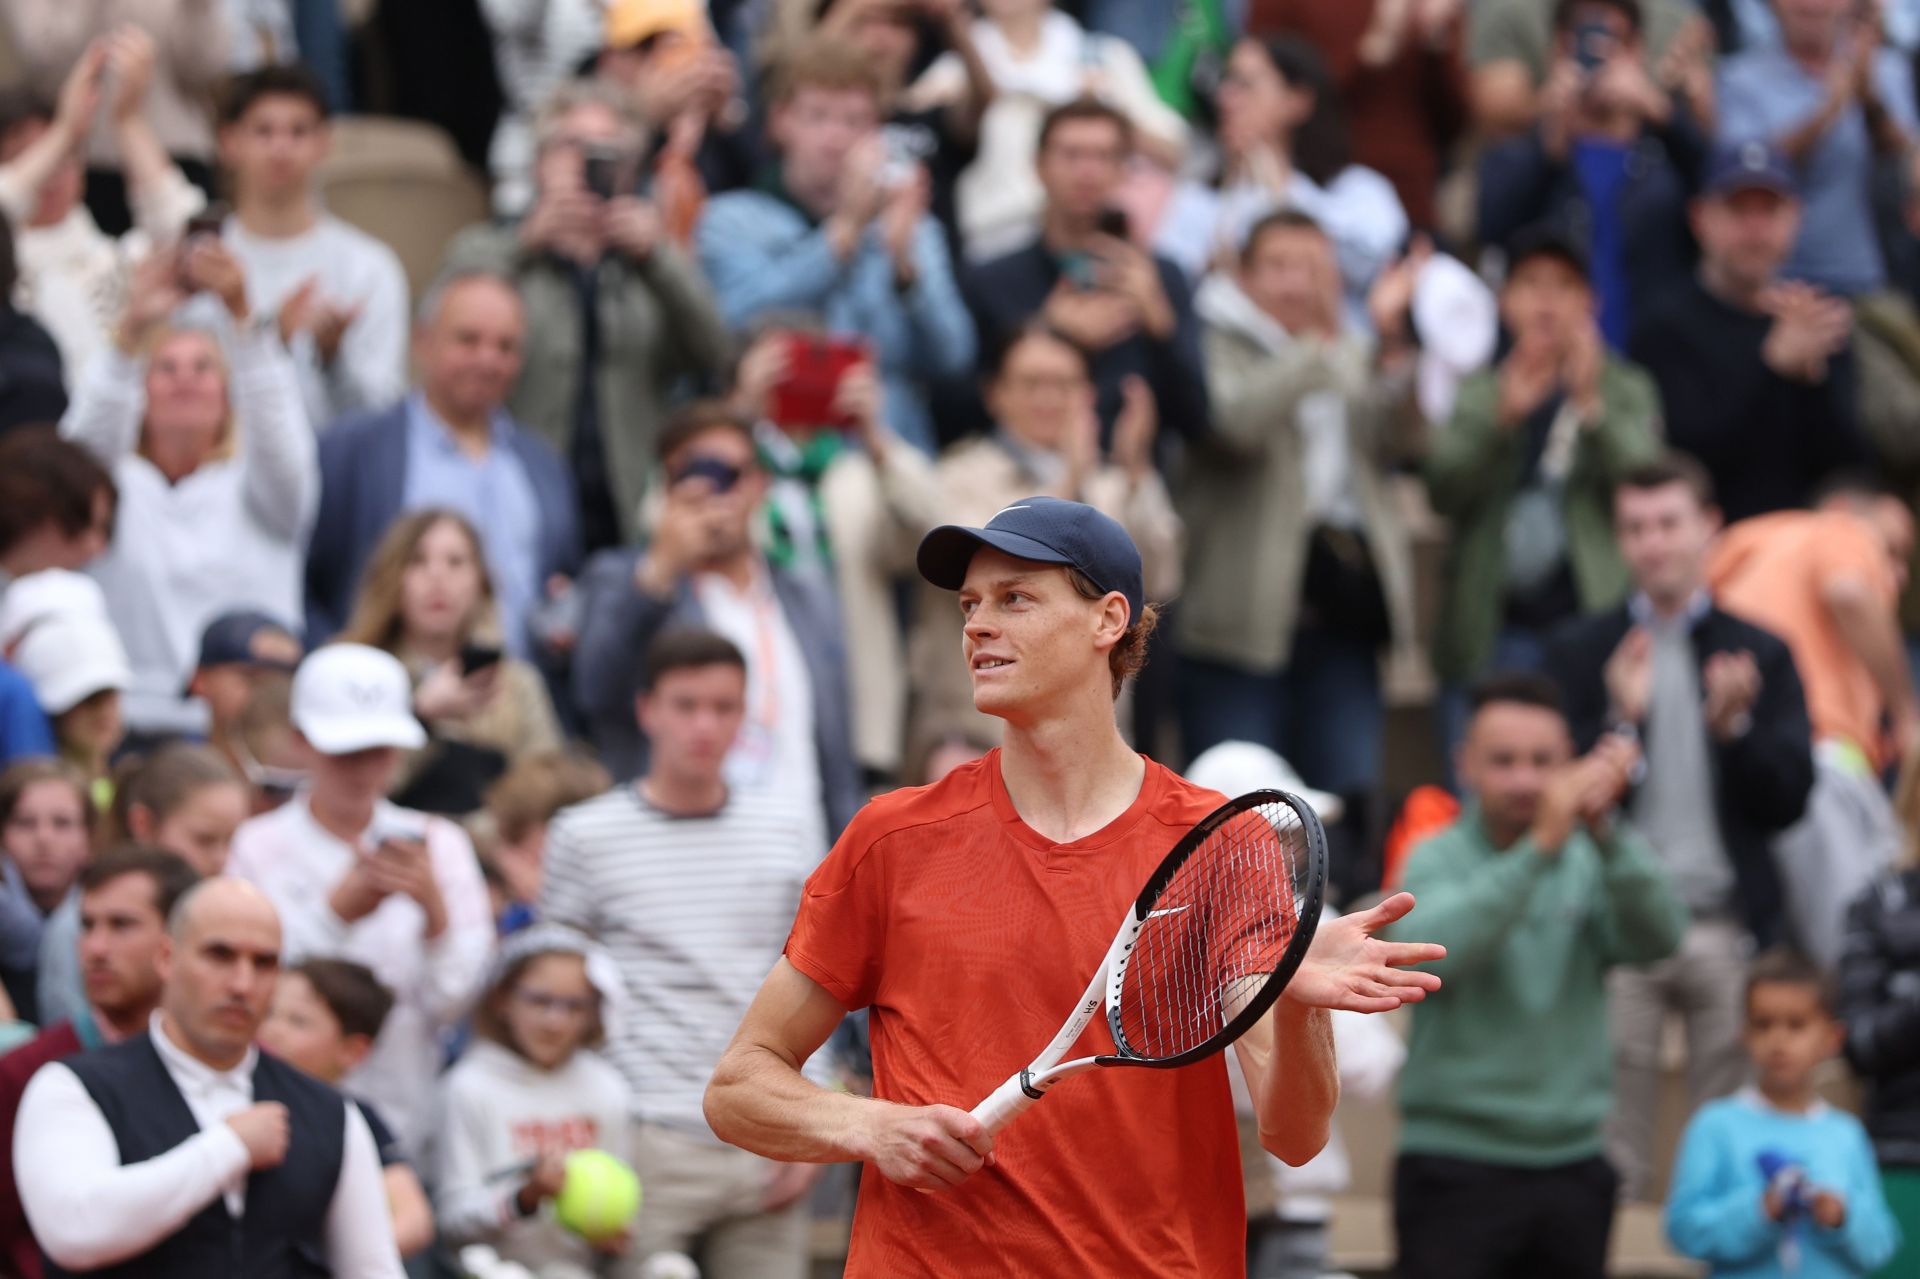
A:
<point x="88" y="1210"/>
<point x="297" y="863"/>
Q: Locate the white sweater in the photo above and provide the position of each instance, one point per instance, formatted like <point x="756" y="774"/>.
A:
<point x="351" y="268"/>
<point x="73" y="275"/>
<point x="499" y="1111"/>
<point x="999" y="195"/>
<point x="232" y="535"/>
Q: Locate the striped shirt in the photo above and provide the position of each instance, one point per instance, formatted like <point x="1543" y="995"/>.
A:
<point x="694" y="910"/>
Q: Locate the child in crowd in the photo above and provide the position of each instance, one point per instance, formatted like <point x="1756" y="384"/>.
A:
<point x="511" y="831"/>
<point x="46" y="833"/>
<point x="183" y="798"/>
<point x="325" y="1015"/>
<point x="526" y="1094"/>
<point x="1773" y="1181"/>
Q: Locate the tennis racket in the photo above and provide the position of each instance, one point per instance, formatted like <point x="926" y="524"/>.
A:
<point x="1206" y="948"/>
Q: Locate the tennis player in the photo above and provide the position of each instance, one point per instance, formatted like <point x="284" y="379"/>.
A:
<point x="967" y="916"/>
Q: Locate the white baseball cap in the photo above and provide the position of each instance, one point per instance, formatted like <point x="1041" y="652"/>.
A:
<point x="69" y="657"/>
<point x="53" y="592"/>
<point x="349" y="697"/>
<point x="1235" y="768"/>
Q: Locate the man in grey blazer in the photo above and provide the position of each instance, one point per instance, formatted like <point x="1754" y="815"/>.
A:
<point x="701" y="569"/>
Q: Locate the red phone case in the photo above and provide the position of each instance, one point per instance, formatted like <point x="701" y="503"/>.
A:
<point x="815" y="365"/>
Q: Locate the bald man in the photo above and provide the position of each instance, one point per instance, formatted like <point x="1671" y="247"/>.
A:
<point x="186" y="1151"/>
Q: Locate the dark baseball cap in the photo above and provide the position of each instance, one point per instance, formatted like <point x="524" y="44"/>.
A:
<point x="1046" y="530"/>
<point x="1753" y="165"/>
<point x="1555" y="238"/>
<point x="250" y="639"/>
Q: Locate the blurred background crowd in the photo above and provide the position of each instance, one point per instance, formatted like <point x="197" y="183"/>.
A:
<point x="441" y="441"/>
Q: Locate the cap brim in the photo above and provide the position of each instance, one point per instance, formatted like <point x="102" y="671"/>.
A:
<point x="1753" y="182"/>
<point x="363" y="732"/>
<point x="945" y="553"/>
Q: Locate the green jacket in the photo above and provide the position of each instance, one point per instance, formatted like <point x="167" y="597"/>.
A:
<point x="1510" y="1061"/>
<point x="1474" y="470"/>
<point x="658" y="327"/>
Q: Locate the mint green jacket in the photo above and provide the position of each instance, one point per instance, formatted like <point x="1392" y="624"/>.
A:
<point x="1510" y="1061"/>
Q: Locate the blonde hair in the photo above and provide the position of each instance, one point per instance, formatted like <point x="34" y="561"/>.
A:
<point x="376" y="619"/>
<point x="227" y="444"/>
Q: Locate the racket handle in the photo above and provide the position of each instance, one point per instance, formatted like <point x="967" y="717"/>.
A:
<point x="1002" y="1105"/>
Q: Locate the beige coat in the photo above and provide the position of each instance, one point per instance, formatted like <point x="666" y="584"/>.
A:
<point x="1244" y="493"/>
<point x="518" y="722"/>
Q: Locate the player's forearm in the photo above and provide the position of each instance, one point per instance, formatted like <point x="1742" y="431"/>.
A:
<point x="1289" y="1063"/>
<point x="759" y="1101"/>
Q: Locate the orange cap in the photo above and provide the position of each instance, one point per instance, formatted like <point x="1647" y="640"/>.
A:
<point x="631" y="21"/>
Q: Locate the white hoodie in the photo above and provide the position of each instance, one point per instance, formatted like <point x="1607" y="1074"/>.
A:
<point x="499" y="1112"/>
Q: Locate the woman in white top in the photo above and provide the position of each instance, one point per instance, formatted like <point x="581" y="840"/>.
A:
<point x="1283" y="144"/>
<point x="1039" y="59"/>
<point x="217" y="470"/>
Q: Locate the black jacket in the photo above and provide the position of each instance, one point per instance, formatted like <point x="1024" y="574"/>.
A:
<point x="1880" y="1002"/>
<point x="1761" y="778"/>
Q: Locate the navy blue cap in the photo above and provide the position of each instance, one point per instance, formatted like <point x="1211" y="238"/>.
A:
<point x="1753" y="165"/>
<point x="1046" y="530"/>
<point x="249" y="639"/>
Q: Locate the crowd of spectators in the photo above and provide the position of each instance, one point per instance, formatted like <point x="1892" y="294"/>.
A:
<point x="1518" y="398"/>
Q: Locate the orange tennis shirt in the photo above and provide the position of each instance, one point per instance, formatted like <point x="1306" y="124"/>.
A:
<point x="971" y="938"/>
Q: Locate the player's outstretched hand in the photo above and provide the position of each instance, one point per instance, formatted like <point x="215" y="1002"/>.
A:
<point x="927" y="1147"/>
<point x="1351" y="968"/>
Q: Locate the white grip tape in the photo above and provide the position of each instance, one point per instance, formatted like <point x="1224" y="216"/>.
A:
<point x="1002" y="1105"/>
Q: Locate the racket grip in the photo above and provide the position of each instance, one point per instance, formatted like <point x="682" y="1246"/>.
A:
<point x="1002" y="1105"/>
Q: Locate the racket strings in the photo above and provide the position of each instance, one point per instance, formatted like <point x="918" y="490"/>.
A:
<point x="1214" y="936"/>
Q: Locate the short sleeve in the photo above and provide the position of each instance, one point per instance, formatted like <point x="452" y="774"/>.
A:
<point x="1847" y="548"/>
<point x="385" y="1144"/>
<point x="840" y="932"/>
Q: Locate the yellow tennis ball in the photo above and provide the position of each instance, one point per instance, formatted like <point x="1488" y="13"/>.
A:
<point x="600" y="1195"/>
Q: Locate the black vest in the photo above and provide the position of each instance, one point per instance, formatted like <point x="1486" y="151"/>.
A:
<point x="283" y="1232"/>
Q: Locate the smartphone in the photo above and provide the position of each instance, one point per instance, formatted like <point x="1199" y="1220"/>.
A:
<point x="902" y="147"/>
<point x="206" y="222"/>
<point x="1114" y="222"/>
<point x="601" y="174"/>
<point x="395" y="828"/>
<point x="478" y="657"/>
<point x="804" y="399"/>
<point x="1593" y="43"/>
<point x="1081" y="270"/>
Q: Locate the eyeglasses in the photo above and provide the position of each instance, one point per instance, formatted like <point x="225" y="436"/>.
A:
<point x="557" y="1005"/>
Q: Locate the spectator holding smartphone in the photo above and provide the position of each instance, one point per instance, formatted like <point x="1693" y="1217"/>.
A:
<point x="355" y="877"/>
<point x="72" y="273"/>
<point x="702" y="571"/>
<point x="617" y="314"/>
<point x="841" y="238"/>
<point x="426" y="598"/>
<point x="1128" y="309"/>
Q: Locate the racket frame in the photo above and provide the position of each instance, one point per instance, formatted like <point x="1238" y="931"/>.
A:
<point x="1030" y="1083"/>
